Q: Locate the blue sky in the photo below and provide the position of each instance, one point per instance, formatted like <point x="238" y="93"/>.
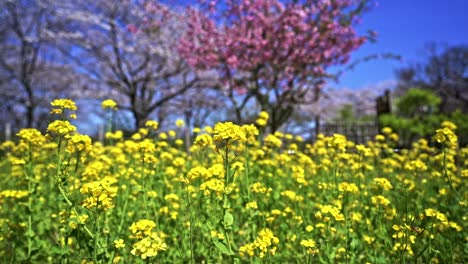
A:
<point x="405" y="27"/>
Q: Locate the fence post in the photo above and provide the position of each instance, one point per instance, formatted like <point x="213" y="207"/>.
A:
<point x="101" y="133"/>
<point x="7" y="131"/>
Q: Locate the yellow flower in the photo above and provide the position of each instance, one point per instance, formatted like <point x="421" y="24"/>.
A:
<point x="101" y="195"/>
<point x="79" y="143"/>
<point x="334" y="211"/>
<point x="14" y="194"/>
<point x="117" y="135"/>
<point x="449" y="125"/>
<point x="119" y="243"/>
<point x="109" y="104"/>
<point x="386" y="130"/>
<point x="310" y="245"/>
<point x="348" y="187"/>
<point x="203" y="140"/>
<point x="264" y="243"/>
<point x="380" y="137"/>
<point x="262" y="119"/>
<point x="61" y="127"/>
<point x="142" y="228"/>
<point x="263" y="115"/>
<point x="149" y="246"/>
<point x="32" y="136"/>
<point x="447" y="136"/>
<point x="261" y="122"/>
<point x="272" y="141"/>
<point x="64" y="104"/>
<point x="338" y="142"/>
<point x="383" y="183"/>
<point x="380" y="200"/>
<point x="251" y="205"/>
<point x="369" y="240"/>
<point x="228" y="131"/>
<point x="152" y="124"/>
<point x="180" y="123"/>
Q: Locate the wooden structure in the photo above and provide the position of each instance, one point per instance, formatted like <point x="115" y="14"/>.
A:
<point x="356" y="131"/>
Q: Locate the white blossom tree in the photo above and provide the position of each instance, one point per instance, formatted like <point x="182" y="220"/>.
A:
<point x="128" y="50"/>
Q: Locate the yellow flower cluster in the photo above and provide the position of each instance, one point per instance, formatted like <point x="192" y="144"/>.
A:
<point x="61" y="127"/>
<point x="60" y="105"/>
<point x="13" y="194"/>
<point x="264" y="242"/>
<point x="149" y="243"/>
<point x="203" y="140"/>
<point x="79" y="143"/>
<point x="64" y="104"/>
<point x="310" y="245"/>
<point x="383" y="183"/>
<point x="446" y="136"/>
<point x="380" y="200"/>
<point x="180" y="123"/>
<point x="74" y="220"/>
<point x="251" y="133"/>
<point x="149" y="246"/>
<point x="330" y="193"/>
<point x="348" y="187"/>
<point x="198" y="172"/>
<point x="227" y="132"/>
<point x="262" y="119"/>
<point x="109" y="104"/>
<point x="214" y="185"/>
<point x="332" y="210"/>
<point x="119" y="243"/>
<point x="405" y="237"/>
<point x="117" y="135"/>
<point x="142" y="228"/>
<point x="32" y="136"/>
<point x="273" y="141"/>
<point x="338" y="142"/>
<point x="101" y="195"/>
<point x="152" y="124"/>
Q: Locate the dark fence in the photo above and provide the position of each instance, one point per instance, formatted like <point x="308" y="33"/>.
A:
<point x="358" y="132"/>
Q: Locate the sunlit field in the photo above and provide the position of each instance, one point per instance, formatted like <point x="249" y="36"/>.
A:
<point x="238" y="196"/>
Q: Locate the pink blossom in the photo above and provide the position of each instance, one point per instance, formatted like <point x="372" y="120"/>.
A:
<point x="275" y="42"/>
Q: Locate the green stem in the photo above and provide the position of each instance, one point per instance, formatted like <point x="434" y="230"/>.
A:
<point x="226" y="205"/>
<point x="29" y="177"/>
<point x="70" y="204"/>
<point x="192" y="259"/>
<point x="124" y="210"/>
<point x="96" y="232"/>
<point x="347" y="228"/>
<point x="449" y="178"/>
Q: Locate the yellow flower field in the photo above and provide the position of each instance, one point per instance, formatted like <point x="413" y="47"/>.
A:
<point x="236" y="197"/>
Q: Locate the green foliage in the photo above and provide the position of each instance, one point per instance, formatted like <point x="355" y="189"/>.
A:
<point x="418" y="102"/>
<point x="346" y="113"/>
<point x="417" y="117"/>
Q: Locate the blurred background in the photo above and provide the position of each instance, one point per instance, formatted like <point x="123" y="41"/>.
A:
<point x="401" y="64"/>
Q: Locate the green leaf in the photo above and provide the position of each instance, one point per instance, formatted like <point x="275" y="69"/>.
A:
<point x="222" y="247"/>
<point x="30" y="233"/>
<point x="228" y="219"/>
<point x="226" y="204"/>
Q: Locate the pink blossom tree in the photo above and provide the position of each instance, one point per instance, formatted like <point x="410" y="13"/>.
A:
<point x="272" y="53"/>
